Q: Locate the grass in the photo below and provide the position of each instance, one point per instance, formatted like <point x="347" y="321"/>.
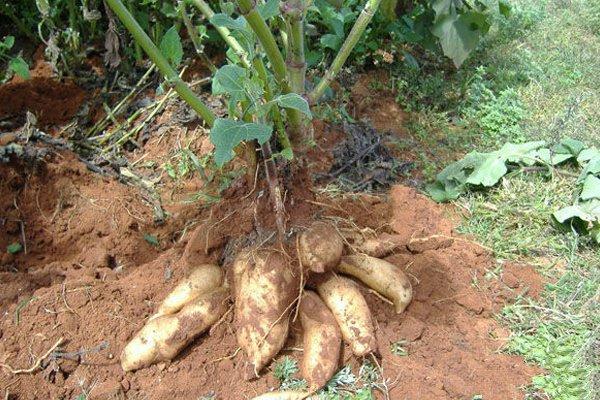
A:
<point x="536" y="76"/>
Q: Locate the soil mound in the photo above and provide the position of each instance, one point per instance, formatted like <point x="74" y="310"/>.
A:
<point x="51" y="101"/>
<point x="91" y="278"/>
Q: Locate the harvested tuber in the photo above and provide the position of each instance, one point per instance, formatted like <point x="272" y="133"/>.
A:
<point x="381" y="276"/>
<point x="351" y="312"/>
<point x="201" y="280"/>
<point x="163" y="337"/>
<point x="265" y="286"/>
<point x="322" y="341"/>
<point x="320" y="247"/>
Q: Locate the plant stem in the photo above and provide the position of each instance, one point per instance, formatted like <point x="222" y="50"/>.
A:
<point x="161" y="62"/>
<point x="136" y="45"/>
<point x="274" y="189"/>
<point x="194" y="37"/>
<point x="283" y="138"/>
<point x="224" y="32"/>
<point x="267" y="40"/>
<point x="296" y="62"/>
<point x="355" y="33"/>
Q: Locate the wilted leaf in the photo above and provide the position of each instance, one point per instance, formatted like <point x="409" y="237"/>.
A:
<point x="170" y="46"/>
<point x="226" y="134"/>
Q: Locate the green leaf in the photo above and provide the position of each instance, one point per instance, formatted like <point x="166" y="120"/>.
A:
<point x="331" y="41"/>
<point x="224" y="20"/>
<point x="504" y="8"/>
<point x="19" y="67"/>
<point x="591" y="168"/>
<point x="591" y="188"/>
<point x="441" y="8"/>
<point x="151" y="239"/>
<point x="489" y="172"/>
<point x="230" y="79"/>
<point x="226" y="134"/>
<point x="7" y="43"/>
<point x="171" y="47"/>
<point x="456" y="36"/>
<point x="287" y="153"/>
<point x="587" y="154"/>
<point x="293" y="101"/>
<point x="14" y="248"/>
<point x="269" y="9"/>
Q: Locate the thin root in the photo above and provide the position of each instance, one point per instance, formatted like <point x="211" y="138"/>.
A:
<point x="37" y="362"/>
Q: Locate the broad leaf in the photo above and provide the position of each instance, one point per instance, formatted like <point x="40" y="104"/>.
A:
<point x="587" y="154"/>
<point x="171" y="47"/>
<point x="331" y="41"/>
<point x="226" y="134"/>
<point x="269" y="9"/>
<point x="489" y="172"/>
<point x="591" y="188"/>
<point x="293" y="101"/>
<point x="19" y="67"/>
<point x="230" y="79"/>
<point x="226" y="21"/>
<point x="456" y="36"/>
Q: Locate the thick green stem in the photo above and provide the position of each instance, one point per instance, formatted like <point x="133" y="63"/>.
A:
<point x="296" y="62"/>
<point x="161" y="62"/>
<point x="224" y="32"/>
<point x="355" y="33"/>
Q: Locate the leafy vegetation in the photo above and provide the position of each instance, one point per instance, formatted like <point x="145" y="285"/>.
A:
<point x="543" y="62"/>
<point x="16" y="64"/>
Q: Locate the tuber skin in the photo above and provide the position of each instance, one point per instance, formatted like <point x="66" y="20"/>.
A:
<point x="163" y="337"/>
<point x="349" y="307"/>
<point x="320" y="247"/>
<point x="201" y="280"/>
<point x="381" y="246"/>
<point x="322" y="341"/>
<point x="265" y="285"/>
<point x="381" y="276"/>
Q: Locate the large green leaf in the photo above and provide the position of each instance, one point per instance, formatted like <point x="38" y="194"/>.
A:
<point x="489" y="172"/>
<point x="591" y="188"/>
<point x="226" y="134"/>
<point x="456" y="36"/>
<point x="293" y="101"/>
<point x="230" y="79"/>
<point x="171" y="47"/>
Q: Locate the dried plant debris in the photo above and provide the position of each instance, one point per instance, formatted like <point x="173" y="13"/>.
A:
<point x="363" y="162"/>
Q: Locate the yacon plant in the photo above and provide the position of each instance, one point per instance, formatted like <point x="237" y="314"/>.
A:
<point x="268" y="108"/>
